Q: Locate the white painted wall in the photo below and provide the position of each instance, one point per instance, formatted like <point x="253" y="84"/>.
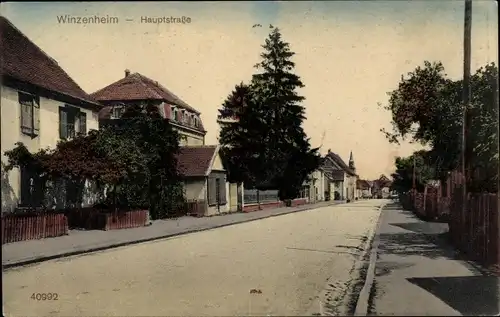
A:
<point x="319" y="186"/>
<point x="11" y="133"/>
<point x="190" y="139"/>
<point x="350" y="190"/>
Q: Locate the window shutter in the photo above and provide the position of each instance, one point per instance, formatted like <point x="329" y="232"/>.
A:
<point x="223" y="199"/>
<point x="26" y="104"/>
<point x="83" y="123"/>
<point x="63" y="123"/>
<point x="211" y="191"/>
<point x="36" y="117"/>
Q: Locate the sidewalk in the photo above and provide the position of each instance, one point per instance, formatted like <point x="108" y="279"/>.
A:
<point x="416" y="272"/>
<point x="80" y="241"/>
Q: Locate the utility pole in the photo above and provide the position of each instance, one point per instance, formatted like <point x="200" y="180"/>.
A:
<point x="466" y="100"/>
<point x="414" y="184"/>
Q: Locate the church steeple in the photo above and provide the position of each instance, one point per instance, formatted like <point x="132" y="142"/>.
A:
<point x="351" y="162"/>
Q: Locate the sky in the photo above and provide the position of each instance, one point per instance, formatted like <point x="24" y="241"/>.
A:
<point x="349" y="54"/>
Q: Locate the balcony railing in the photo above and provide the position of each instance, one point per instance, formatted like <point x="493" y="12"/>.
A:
<point x="233" y="119"/>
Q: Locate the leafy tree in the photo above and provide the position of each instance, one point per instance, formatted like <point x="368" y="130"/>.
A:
<point x="267" y="147"/>
<point x="159" y="143"/>
<point x="428" y="108"/>
<point x="135" y="158"/>
<point x="403" y="177"/>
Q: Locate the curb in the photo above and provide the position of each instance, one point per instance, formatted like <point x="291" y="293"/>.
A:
<point x="355" y="271"/>
<point x="364" y="294"/>
<point x="127" y="243"/>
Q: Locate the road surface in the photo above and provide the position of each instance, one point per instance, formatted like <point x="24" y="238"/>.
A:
<point x="275" y="266"/>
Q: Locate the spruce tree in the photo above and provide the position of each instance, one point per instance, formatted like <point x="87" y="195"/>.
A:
<point x="278" y="102"/>
<point x="267" y="147"/>
<point x="232" y="136"/>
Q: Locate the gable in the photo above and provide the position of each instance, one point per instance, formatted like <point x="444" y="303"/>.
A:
<point x="329" y="163"/>
<point x="217" y="163"/>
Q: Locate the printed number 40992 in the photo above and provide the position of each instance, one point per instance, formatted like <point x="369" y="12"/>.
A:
<point x="44" y="296"/>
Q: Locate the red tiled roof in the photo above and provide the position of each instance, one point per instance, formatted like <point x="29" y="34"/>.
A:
<point x="195" y="160"/>
<point x="23" y="60"/>
<point x="341" y="162"/>
<point x="139" y="87"/>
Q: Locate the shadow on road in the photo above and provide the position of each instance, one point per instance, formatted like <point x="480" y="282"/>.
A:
<point x="422" y="240"/>
<point x="469" y="295"/>
<point x="408" y="236"/>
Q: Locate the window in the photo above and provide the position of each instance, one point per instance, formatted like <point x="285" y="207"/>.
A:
<point x="175" y="115"/>
<point x="72" y="121"/>
<point x="117" y="112"/>
<point x="183" y="118"/>
<point x="30" y="114"/>
<point x="216" y="189"/>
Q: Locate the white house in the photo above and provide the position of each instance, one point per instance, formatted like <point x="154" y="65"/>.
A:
<point x="40" y="105"/>
<point x="342" y="178"/>
<point x="314" y="188"/>
<point x="205" y="181"/>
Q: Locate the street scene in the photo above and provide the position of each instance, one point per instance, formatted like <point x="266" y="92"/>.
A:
<point x="316" y="159"/>
<point x="274" y="266"/>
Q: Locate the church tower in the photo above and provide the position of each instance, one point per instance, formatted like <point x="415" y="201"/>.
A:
<point x="351" y="162"/>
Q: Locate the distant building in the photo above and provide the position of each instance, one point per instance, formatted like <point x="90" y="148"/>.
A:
<point x="364" y="189"/>
<point x="340" y="178"/>
<point x="382" y="187"/>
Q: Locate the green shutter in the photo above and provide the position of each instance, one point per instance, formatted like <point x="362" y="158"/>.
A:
<point x="83" y="123"/>
<point x="36" y="116"/>
<point x="63" y="123"/>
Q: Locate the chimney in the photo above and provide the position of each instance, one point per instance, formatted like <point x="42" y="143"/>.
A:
<point x="127" y="72"/>
<point x="329" y="151"/>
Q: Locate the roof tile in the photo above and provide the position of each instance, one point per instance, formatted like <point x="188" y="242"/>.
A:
<point x="139" y="87"/>
<point x="195" y="161"/>
<point x="25" y="61"/>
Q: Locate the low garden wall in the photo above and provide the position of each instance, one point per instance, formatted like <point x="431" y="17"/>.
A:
<point x="20" y="226"/>
<point x="96" y="219"/>
<point x="195" y="208"/>
<point x="122" y="220"/>
<point x="273" y="204"/>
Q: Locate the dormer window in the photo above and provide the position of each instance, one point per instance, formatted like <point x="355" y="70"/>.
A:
<point x="117" y="111"/>
<point x="173" y="114"/>
<point x="184" y="116"/>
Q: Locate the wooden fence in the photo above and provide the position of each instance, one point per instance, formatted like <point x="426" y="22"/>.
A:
<point x="474" y="230"/>
<point x="32" y="225"/>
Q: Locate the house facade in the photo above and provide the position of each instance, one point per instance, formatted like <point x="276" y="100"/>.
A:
<point x="382" y="187"/>
<point x="204" y="177"/>
<point x="137" y="89"/>
<point x="364" y="189"/>
<point x="341" y="178"/>
<point x="314" y="187"/>
<point x="40" y="105"/>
